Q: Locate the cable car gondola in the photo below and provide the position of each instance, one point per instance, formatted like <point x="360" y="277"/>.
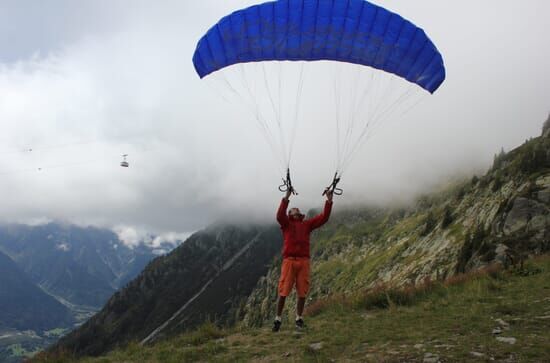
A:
<point x="124" y="162"/>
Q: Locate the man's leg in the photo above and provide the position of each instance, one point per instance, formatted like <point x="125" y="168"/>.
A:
<point x="285" y="284"/>
<point x="302" y="289"/>
<point x="300" y="303"/>
<point x="281" y="305"/>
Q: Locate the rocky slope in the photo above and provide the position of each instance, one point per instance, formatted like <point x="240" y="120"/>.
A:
<point x="503" y="216"/>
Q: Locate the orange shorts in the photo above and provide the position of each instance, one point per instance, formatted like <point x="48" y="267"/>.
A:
<point x="294" y="271"/>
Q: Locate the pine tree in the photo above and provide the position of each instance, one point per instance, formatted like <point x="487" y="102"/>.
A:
<point x="447" y="217"/>
<point x="546" y="127"/>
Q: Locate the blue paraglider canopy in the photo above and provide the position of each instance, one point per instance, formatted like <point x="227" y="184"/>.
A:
<point x="376" y="63"/>
<point x="352" y="31"/>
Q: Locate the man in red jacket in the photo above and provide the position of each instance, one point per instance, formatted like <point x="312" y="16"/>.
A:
<point x="295" y="268"/>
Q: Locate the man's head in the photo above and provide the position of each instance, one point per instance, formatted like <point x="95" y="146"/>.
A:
<point x="294" y="213"/>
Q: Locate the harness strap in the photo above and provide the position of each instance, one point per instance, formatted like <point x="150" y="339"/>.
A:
<point x="333" y="187"/>
<point x="287" y="184"/>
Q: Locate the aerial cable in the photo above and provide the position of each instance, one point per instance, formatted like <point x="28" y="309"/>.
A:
<point x="49" y="167"/>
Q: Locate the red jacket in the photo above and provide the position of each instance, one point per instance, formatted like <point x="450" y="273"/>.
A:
<point x="296" y="231"/>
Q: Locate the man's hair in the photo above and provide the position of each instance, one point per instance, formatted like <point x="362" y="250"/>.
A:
<point x="296" y="209"/>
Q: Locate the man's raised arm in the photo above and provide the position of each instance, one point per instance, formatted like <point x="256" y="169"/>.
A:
<point x="322" y="218"/>
<point x="282" y="216"/>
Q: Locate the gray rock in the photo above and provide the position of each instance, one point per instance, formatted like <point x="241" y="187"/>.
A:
<point x="431" y="358"/>
<point x="508" y="340"/>
<point x="503" y="324"/>
<point x="418" y="346"/>
<point x="544" y="196"/>
<point x="521" y="213"/>
<point x="477" y="354"/>
<point x="497" y="331"/>
<point x="543" y="181"/>
<point x="316" y="346"/>
<point x="510" y="359"/>
<point x="500" y="253"/>
<point x="537" y="224"/>
<point x="446" y="346"/>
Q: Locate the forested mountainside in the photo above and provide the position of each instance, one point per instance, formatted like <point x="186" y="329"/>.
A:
<point x="210" y="276"/>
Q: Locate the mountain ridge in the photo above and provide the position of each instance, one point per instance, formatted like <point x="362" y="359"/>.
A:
<point x="82" y="265"/>
<point x="23" y="305"/>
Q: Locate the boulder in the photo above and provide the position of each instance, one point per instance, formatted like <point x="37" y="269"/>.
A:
<point x="431" y="358"/>
<point x="316" y="346"/>
<point x="544" y="195"/>
<point x="523" y="210"/>
<point x="508" y="340"/>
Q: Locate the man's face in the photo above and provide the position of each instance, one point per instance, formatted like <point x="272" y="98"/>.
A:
<point x="294" y="213"/>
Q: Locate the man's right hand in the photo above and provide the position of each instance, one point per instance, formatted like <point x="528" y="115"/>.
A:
<point x="288" y="194"/>
<point x="329" y="193"/>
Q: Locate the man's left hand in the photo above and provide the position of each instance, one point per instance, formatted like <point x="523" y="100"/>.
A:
<point x="329" y="195"/>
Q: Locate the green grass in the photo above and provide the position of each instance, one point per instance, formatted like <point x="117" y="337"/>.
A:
<point x="450" y="319"/>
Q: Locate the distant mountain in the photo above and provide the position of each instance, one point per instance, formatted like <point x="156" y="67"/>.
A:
<point x="208" y="277"/>
<point x="23" y="305"/>
<point x="83" y="266"/>
<point x="73" y="268"/>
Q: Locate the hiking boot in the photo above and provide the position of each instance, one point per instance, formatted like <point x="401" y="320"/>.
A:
<point x="276" y="326"/>
<point x="300" y="324"/>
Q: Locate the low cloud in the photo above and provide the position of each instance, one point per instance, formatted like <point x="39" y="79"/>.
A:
<point x="133" y="237"/>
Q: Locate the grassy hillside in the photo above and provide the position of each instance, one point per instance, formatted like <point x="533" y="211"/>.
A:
<point x="471" y="317"/>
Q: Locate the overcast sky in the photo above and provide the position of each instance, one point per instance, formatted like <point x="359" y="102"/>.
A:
<point x="83" y="82"/>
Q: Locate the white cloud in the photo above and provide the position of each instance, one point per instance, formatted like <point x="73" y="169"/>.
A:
<point x="133" y="237"/>
<point x="130" y="88"/>
<point x="129" y="236"/>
